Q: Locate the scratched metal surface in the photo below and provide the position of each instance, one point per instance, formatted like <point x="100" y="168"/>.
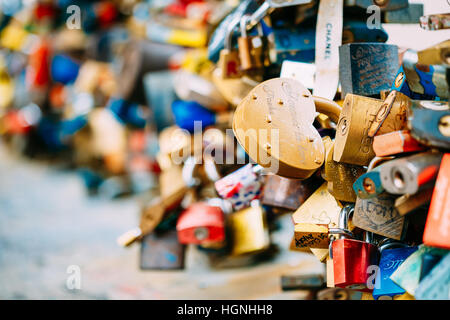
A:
<point x="48" y="223"/>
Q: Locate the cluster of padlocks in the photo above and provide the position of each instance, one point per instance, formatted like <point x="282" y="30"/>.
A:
<point x="284" y="107"/>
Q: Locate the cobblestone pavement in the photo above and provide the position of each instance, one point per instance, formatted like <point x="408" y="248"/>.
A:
<point x="48" y="223"/>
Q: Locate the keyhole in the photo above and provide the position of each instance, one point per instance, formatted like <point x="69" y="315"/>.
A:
<point x="444" y="125"/>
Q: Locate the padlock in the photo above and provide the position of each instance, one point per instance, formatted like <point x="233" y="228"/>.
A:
<point x="229" y="62"/>
<point x="435" y="21"/>
<point x="437" y="54"/>
<point x="268" y="122"/>
<point x="129" y="113"/>
<point x="367" y="68"/>
<point x="436" y="285"/>
<point x="175" y="145"/>
<point x="302" y="282"/>
<point x="201" y="223"/>
<point x="408" y="15"/>
<point x="162" y="251"/>
<point x="429" y="122"/>
<point x="369" y="184"/>
<point x="193" y="87"/>
<point x="410" y="202"/>
<point x="353" y="144"/>
<point x="293" y="44"/>
<point x="340" y="176"/>
<point x="287" y="193"/>
<point x="409" y="175"/>
<point x="314" y="218"/>
<point x="249" y="230"/>
<point x="378" y="215"/>
<point x="396" y="142"/>
<point x="407" y="275"/>
<point x="251" y="48"/>
<point x="429" y="261"/>
<point x="300" y="71"/>
<point x="392" y="254"/>
<point x="241" y="186"/>
<point x="437" y="228"/>
<point x="384" y="5"/>
<point x="351" y="258"/>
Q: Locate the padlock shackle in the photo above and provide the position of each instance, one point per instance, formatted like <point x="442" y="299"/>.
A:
<point x="328" y="108"/>
<point x="390" y="244"/>
<point x="229" y="33"/>
<point x="376" y="161"/>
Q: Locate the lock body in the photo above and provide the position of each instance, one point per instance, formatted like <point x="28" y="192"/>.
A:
<point x="249" y="230"/>
<point x="395" y="143"/>
<point x="436" y="285"/>
<point x="367" y="68"/>
<point x="378" y="215"/>
<point x="351" y="261"/>
<point x="162" y="251"/>
<point x="201" y="224"/>
<point x="390" y="260"/>
<point x="437" y="228"/>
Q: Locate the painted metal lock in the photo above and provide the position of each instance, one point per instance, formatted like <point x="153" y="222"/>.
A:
<point x="436" y="285"/>
<point x="250" y="233"/>
<point x="437" y="54"/>
<point x="392" y="256"/>
<point x="201" y="223"/>
<point x="314" y="218"/>
<point x="395" y="142"/>
<point x="409" y="175"/>
<point x="435" y="21"/>
<point x="293" y="44"/>
<point x="378" y="215"/>
<point x="240" y="187"/>
<point x="129" y="113"/>
<point x="407" y="275"/>
<point x="162" y="251"/>
<point x="273" y="123"/>
<point x="437" y="228"/>
<point x="385" y="5"/>
<point x="411" y="14"/>
<point x="340" y="176"/>
<point x="352" y="143"/>
<point x="369" y="184"/>
<point x="429" y="122"/>
<point x="410" y="202"/>
<point x="352" y="258"/>
<point x="287" y="193"/>
<point x="367" y="68"/>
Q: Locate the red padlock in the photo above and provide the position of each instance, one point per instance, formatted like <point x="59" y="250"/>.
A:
<point x="437" y="228"/>
<point x="352" y="258"/>
<point x="201" y="223"/>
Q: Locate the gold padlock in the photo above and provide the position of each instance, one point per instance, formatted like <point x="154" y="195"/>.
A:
<point x="250" y="47"/>
<point x="378" y="215"/>
<point x="249" y="230"/>
<point x="340" y="176"/>
<point x="352" y="143"/>
<point x="274" y="124"/>
<point x="312" y="220"/>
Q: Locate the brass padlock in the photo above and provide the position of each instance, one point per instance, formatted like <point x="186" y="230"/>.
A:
<point x="340" y="176"/>
<point x="314" y="218"/>
<point x="229" y="61"/>
<point x="353" y="144"/>
<point x="378" y="215"/>
<point x="410" y="202"/>
<point x="274" y="124"/>
<point x="250" y="233"/>
<point x="250" y="47"/>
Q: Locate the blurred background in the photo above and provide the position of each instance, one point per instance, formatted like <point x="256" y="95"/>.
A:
<point x="84" y="101"/>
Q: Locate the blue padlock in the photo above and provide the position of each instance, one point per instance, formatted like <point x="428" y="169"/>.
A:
<point x="127" y="112"/>
<point x="56" y="134"/>
<point x="188" y="112"/>
<point x="64" y="69"/>
<point x="436" y="285"/>
<point x="390" y="260"/>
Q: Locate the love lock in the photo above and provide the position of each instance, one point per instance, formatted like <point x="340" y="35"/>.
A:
<point x="274" y="124"/>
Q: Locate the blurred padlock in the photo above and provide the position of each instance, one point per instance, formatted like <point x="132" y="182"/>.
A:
<point x="410" y="202"/>
<point x="251" y="48"/>
<point x="249" y="229"/>
<point x="201" y="223"/>
<point x="162" y="251"/>
<point x="437" y="228"/>
<point x="395" y="142"/>
<point x="436" y="285"/>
